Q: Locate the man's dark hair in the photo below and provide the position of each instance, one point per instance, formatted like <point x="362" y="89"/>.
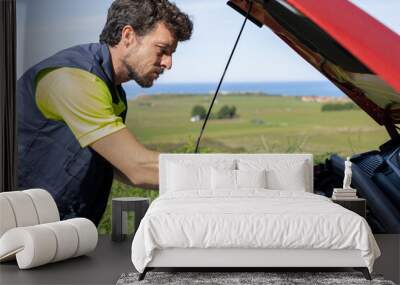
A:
<point x="142" y="15"/>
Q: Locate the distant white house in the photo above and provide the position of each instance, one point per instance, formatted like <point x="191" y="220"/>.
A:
<point x="195" y="118"/>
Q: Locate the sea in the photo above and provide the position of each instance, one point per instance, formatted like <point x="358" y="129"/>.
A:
<point x="284" y="88"/>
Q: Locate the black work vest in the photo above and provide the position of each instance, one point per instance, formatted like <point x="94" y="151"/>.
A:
<point x="49" y="155"/>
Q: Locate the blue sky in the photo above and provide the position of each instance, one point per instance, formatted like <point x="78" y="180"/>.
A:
<point x="46" y="26"/>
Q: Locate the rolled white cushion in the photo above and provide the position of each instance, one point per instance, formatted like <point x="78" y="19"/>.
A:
<point x="7" y="218"/>
<point x="45" y="205"/>
<point x="23" y="208"/>
<point x="40" y="244"/>
<point x="26" y="208"/>
<point x="87" y="235"/>
<point x="67" y="240"/>
<point x="33" y="246"/>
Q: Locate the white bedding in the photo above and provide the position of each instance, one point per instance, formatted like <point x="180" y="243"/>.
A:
<point x="250" y="219"/>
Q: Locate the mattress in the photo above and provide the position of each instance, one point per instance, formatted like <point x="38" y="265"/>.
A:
<point x="252" y="218"/>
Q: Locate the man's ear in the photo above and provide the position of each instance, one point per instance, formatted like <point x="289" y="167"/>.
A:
<point x="128" y="36"/>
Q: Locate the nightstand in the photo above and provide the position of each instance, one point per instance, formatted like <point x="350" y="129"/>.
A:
<point x="120" y="208"/>
<point x="358" y="205"/>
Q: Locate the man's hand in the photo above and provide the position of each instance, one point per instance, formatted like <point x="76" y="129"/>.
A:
<point x="136" y="162"/>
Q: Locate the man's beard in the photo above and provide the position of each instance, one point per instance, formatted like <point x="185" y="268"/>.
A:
<point x="133" y="75"/>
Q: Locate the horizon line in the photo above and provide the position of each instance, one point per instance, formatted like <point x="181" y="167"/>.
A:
<point x="236" y="82"/>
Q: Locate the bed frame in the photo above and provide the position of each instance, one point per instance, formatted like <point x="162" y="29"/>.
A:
<point x="247" y="259"/>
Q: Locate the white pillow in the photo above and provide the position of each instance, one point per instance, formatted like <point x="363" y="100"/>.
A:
<point x="226" y="179"/>
<point x="251" y="178"/>
<point x="185" y="175"/>
<point x="282" y="174"/>
<point x="223" y="179"/>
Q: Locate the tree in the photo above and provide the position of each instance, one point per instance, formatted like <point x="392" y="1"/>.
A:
<point x="226" y="112"/>
<point x="200" y="111"/>
<point x="232" y="112"/>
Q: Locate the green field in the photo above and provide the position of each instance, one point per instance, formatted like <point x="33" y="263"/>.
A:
<point x="265" y="124"/>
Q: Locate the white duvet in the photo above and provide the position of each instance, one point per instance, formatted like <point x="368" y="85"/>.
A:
<point x="250" y="219"/>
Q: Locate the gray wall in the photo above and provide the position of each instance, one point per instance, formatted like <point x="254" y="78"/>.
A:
<point x="7" y="96"/>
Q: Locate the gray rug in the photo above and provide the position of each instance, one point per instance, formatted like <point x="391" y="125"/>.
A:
<point x="243" y="278"/>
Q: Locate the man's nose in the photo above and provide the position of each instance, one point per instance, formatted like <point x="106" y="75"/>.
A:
<point x="166" y="62"/>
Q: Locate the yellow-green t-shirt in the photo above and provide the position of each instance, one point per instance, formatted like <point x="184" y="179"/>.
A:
<point x="80" y="99"/>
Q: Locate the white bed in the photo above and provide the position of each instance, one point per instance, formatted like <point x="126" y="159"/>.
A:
<point x="247" y="210"/>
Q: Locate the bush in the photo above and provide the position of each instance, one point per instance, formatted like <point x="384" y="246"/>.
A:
<point x="190" y="146"/>
<point x="339" y="107"/>
<point x="226" y="112"/>
<point x="200" y="111"/>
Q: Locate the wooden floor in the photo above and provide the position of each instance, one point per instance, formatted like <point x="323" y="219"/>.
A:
<point x="110" y="259"/>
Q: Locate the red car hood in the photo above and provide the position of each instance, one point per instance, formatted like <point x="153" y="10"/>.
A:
<point x="357" y="53"/>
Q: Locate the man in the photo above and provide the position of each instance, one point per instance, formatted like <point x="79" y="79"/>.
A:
<point x="72" y="108"/>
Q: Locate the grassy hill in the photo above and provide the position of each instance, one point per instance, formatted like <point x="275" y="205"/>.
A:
<point x="265" y="124"/>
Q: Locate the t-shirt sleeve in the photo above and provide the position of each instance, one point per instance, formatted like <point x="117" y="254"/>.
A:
<point x="81" y="100"/>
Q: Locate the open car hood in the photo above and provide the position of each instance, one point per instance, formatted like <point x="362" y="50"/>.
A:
<point x="357" y="53"/>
